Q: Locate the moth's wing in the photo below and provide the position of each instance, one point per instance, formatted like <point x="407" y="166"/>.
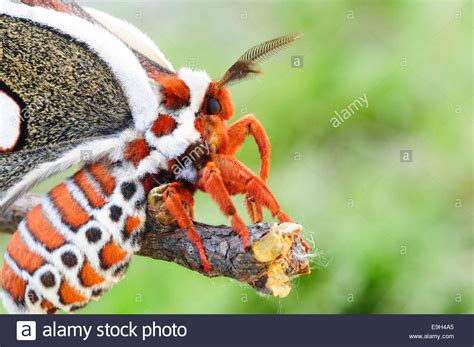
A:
<point x="132" y="36"/>
<point x="68" y="90"/>
<point x="150" y="56"/>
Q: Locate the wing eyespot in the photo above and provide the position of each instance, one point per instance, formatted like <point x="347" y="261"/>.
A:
<point x="10" y="119"/>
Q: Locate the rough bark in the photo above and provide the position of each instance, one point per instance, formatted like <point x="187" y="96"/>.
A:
<point x="276" y="254"/>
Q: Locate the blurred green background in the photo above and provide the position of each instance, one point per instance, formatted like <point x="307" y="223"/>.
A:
<point x="389" y="236"/>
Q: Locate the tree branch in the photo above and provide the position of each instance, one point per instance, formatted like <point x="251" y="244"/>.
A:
<point x="276" y="255"/>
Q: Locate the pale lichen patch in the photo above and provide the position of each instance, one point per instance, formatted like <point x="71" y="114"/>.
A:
<point x="273" y="245"/>
<point x="281" y="248"/>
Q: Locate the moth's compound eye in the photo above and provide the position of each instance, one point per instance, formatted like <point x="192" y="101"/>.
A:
<point x="213" y="106"/>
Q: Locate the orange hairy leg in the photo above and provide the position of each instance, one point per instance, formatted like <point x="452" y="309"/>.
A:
<point x="253" y="186"/>
<point x="255" y="211"/>
<point x="174" y="196"/>
<point x="249" y="125"/>
<point x="211" y="182"/>
<point x="243" y="181"/>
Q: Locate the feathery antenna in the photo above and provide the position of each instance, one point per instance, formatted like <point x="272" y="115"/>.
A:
<point x="249" y="62"/>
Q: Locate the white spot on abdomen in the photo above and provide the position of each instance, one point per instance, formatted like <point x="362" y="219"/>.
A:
<point x="9" y="122"/>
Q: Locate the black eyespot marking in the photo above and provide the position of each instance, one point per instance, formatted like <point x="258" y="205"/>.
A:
<point x="33" y="297"/>
<point x="48" y="279"/>
<point x="115" y="213"/>
<point x="139" y="204"/>
<point x="93" y="235"/>
<point x="97" y="292"/>
<point x="128" y="190"/>
<point x="75" y="308"/>
<point x="120" y="271"/>
<point x="69" y="259"/>
<point x="213" y="106"/>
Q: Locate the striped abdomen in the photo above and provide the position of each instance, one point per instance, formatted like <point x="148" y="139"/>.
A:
<point x="76" y="243"/>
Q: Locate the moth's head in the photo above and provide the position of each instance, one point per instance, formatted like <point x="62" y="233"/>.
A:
<point x="217" y="107"/>
<point x="191" y="94"/>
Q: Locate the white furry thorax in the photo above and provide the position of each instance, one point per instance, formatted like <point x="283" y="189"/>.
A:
<point x="173" y="145"/>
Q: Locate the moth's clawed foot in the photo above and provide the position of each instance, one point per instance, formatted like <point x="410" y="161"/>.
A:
<point x="196" y="239"/>
<point x="283" y="217"/>
<point x="254" y="210"/>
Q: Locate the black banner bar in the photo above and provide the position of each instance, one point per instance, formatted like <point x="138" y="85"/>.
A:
<point x="237" y="330"/>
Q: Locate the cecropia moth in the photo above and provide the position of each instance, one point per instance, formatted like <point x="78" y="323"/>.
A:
<point x="78" y="86"/>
